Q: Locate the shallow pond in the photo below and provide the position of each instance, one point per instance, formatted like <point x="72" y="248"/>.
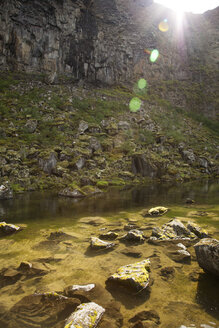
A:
<point x="187" y="298"/>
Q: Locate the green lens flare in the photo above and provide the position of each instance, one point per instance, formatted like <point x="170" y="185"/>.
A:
<point x="154" y="55"/>
<point x="135" y="104"/>
<point x="142" y="83"/>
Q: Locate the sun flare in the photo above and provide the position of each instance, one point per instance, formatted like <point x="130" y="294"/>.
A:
<point x="194" y="6"/>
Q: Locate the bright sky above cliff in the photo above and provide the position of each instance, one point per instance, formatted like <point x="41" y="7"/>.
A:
<point x="194" y="6"/>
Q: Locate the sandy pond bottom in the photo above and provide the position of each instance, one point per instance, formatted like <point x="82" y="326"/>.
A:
<point x="187" y="298"/>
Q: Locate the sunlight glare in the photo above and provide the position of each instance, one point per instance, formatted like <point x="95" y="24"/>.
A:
<point x="194" y="6"/>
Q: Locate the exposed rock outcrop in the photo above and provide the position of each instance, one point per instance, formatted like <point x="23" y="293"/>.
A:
<point x="94" y="40"/>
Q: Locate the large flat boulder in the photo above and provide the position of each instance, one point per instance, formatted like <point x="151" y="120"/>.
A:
<point x="207" y="253"/>
<point x="134" y="276"/>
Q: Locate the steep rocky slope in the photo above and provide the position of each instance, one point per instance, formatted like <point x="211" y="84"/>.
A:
<point x="74" y="135"/>
<point x="69" y="70"/>
<point x="105" y="41"/>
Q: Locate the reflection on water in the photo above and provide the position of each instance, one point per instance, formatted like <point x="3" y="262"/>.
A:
<point x="208" y="294"/>
<point x="68" y="259"/>
<point x="44" y="205"/>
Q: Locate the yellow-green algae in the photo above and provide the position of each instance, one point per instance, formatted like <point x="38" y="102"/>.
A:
<point x="135" y="274"/>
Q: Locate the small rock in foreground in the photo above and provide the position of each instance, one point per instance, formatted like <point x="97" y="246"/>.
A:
<point x="207" y="253"/>
<point x="134" y="275"/>
<point x="87" y="315"/>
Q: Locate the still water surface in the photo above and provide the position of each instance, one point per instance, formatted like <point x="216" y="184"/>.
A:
<point x="178" y="300"/>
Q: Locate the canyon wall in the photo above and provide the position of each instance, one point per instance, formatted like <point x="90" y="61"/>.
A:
<point x="107" y="41"/>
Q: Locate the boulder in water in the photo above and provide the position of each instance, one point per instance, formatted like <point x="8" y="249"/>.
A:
<point x="7" y="228"/>
<point x="97" y="243"/>
<point x="172" y="231"/>
<point x="87" y="315"/>
<point x="198" y="231"/>
<point x="135" y="276"/>
<point x="72" y="192"/>
<point x="157" y="211"/>
<point x="207" y="253"/>
<point x="39" y="310"/>
<point x="133" y="236"/>
<point x="110" y="235"/>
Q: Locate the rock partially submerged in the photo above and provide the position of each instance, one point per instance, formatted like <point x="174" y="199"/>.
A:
<point x="7" y="228"/>
<point x="97" y="243"/>
<point x="173" y="230"/>
<point x="40" y="310"/>
<point x="110" y="235"/>
<point x="198" y="231"/>
<point x="135" y="276"/>
<point x="158" y="211"/>
<point x="26" y="270"/>
<point x="93" y="220"/>
<point x="5" y="192"/>
<point x="87" y="315"/>
<point x="148" y="318"/>
<point x="72" y="193"/>
<point x="133" y="236"/>
<point x="207" y="253"/>
<point x="180" y="254"/>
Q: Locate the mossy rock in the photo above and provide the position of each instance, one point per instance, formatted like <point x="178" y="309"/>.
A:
<point x="102" y="184"/>
<point x="117" y="182"/>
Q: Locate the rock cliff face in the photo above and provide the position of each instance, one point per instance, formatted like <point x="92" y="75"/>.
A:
<point x="105" y="41"/>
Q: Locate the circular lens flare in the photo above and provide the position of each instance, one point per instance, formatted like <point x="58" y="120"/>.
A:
<point x="135" y="104"/>
<point x="163" y="26"/>
<point x="154" y="55"/>
<point x="142" y="83"/>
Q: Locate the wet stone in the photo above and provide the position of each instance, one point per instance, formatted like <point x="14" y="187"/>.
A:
<point x="109" y="235"/>
<point x="93" y="220"/>
<point x="97" y="243"/>
<point x="207" y="253"/>
<point x="158" y="211"/>
<point x="131" y="252"/>
<point x="60" y="235"/>
<point x="148" y="318"/>
<point x="7" y="228"/>
<point x="87" y="315"/>
<point x="173" y="230"/>
<point x="135" y="276"/>
<point x="198" y="231"/>
<point x="167" y="273"/>
<point x="130" y="226"/>
<point x="179" y="253"/>
<point x="39" y="310"/>
<point x="72" y="193"/>
<point x="133" y="236"/>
